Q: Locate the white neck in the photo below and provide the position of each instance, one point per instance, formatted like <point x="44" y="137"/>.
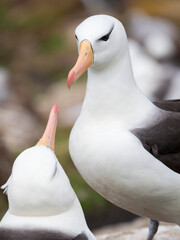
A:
<point x="113" y="91"/>
<point x="71" y="221"/>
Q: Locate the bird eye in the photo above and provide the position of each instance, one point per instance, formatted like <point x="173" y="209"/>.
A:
<point x="76" y="37"/>
<point x="105" y="37"/>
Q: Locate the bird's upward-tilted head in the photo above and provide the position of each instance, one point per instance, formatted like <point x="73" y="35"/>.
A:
<point x="38" y="185"/>
<point x="101" y="41"/>
<point x="42" y="203"/>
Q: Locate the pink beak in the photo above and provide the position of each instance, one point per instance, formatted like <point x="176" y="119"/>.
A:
<point x="48" y="138"/>
<point x="84" y="60"/>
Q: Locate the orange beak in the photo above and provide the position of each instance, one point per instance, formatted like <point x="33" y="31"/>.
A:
<point x="84" y="60"/>
<point x="48" y="138"/>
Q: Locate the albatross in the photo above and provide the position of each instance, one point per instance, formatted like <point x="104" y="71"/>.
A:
<point x="125" y="147"/>
<point x="42" y="203"/>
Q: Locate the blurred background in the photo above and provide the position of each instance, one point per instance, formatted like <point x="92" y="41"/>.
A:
<point x="37" y="50"/>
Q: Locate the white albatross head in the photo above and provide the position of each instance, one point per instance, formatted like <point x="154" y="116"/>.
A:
<point x="101" y="39"/>
<point x="38" y="185"/>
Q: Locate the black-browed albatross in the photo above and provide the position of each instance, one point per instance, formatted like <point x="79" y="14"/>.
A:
<point x="42" y="203"/>
<point x="124" y="146"/>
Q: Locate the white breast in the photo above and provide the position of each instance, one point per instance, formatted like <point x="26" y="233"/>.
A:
<point x="115" y="164"/>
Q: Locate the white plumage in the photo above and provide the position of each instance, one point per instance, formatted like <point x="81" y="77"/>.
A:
<point x="103" y="146"/>
<point x="39" y="192"/>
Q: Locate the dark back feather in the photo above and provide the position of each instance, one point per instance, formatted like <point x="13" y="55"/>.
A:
<point x="12" y="234"/>
<point x="169" y="105"/>
<point x="162" y="138"/>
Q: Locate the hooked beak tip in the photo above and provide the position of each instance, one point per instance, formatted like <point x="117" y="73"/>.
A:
<point x="71" y="78"/>
<point x="55" y="108"/>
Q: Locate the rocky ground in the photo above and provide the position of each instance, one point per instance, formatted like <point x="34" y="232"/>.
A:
<point x="137" y="230"/>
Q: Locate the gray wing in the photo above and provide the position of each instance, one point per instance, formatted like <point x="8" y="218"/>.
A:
<point x="162" y="139"/>
<point x="12" y="234"/>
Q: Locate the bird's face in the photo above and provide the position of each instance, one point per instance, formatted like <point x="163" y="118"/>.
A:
<point x="38" y="185"/>
<point x="100" y="40"/>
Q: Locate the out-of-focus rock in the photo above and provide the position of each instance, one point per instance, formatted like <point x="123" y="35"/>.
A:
<point x="105" y="6"/>
<point x="69" y="101"/>
<point x="174" y="88"/>
<point x="5" y="163"/>
<point x="137" y="230"/>
<point x="149" y="75"/>
<point x="157" y="80"/>
<point x="17" y="126"/>
<point x="6" y="93"/>
<point x="159" y="36"/>
<point x="5" y="171"/>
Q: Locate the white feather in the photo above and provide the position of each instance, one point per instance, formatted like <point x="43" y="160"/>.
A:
<point x="108" y="156"/>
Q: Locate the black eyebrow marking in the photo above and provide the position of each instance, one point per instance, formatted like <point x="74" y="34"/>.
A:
<point x="106" y="37"/>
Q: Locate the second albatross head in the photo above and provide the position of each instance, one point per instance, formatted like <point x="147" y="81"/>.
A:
<point x="38" y="185"/>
